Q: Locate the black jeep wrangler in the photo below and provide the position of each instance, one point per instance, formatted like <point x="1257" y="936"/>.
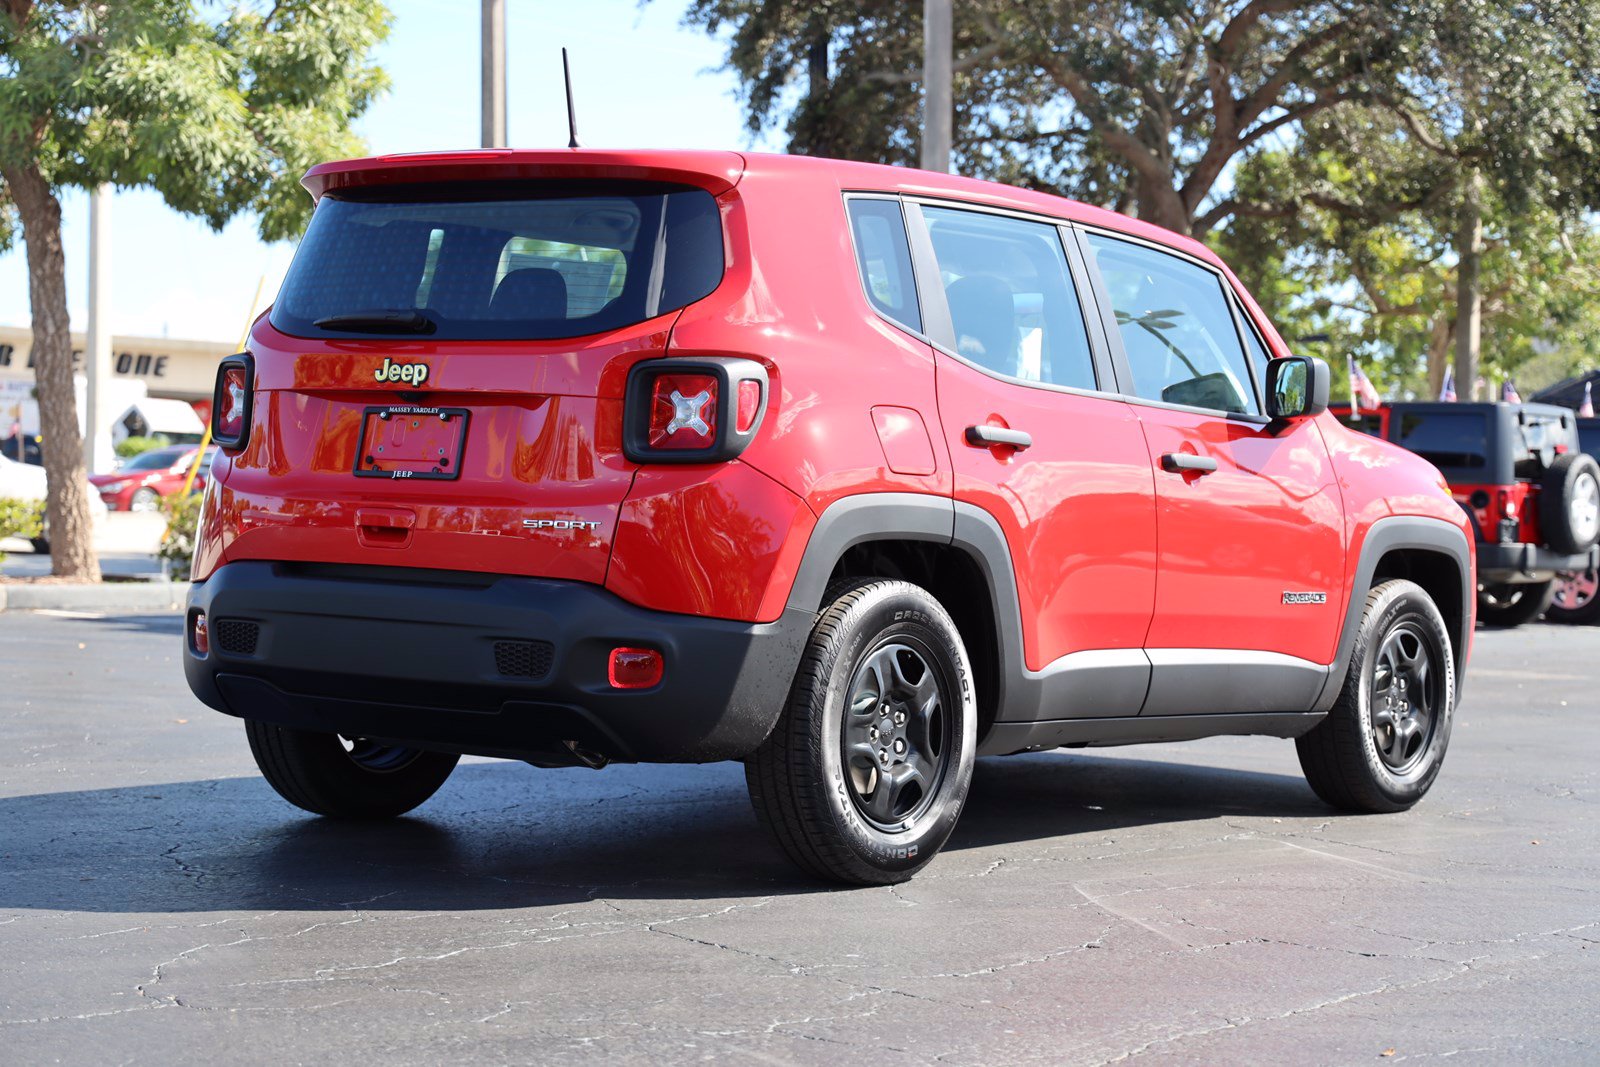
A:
<point x="1519" y="471"/>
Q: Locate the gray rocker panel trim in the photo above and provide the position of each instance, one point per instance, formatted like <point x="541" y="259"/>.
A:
<point x="1008" y="737"/>
<point x="1401" y="532"/>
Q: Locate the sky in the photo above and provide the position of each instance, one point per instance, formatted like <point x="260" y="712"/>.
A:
<point x="640" y="79"/>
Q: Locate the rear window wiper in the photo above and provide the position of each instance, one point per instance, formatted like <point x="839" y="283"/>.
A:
<point x="399" y="320"/>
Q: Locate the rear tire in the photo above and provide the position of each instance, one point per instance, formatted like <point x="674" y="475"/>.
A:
<point x="1383" y="742"/>
<point x="1577" y="599"/>
<point x="1505" y="606"/>
<point x="866" y="772"/>
<point x="1569" y="503"/>
<point x="365" y="780"/>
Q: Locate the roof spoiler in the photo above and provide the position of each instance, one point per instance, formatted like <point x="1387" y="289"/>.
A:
<point x="716" y="172"/>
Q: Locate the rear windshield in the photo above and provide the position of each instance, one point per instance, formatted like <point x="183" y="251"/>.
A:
<point x="1446" y="439"/>
<point x="500" y="262"/>
<point x="1589" y="438"/>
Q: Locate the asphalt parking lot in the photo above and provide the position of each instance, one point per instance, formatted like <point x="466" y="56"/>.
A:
<point x="1193" y="902"/>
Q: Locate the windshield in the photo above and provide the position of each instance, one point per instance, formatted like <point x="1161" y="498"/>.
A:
<point x="500" y="262"/>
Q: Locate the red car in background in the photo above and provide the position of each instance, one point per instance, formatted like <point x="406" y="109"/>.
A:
<point x="141" y="482"/>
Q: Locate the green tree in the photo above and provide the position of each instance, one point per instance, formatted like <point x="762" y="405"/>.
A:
<point x="1353" y="234"/>
<point x="219" y="108"/>
<point x="1139" y="105"/>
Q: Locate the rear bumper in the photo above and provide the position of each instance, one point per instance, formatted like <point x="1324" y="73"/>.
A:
<point x="411" y="656"/>
<point x="1522" y="563"/>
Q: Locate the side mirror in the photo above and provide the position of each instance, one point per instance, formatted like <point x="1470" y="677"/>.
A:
<point x="1297" y="387"/>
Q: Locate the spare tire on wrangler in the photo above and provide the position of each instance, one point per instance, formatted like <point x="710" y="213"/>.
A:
<point x="1569" y="503"/>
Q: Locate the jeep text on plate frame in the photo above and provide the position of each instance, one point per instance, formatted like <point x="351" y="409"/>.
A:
<point x="411" y="442"/>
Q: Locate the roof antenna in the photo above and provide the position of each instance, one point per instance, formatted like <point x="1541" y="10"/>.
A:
<point x="572" y="116"/>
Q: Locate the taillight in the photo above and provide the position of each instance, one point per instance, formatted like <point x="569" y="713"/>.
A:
<point x="231" y="402"/>
<point x="683" y="411"/>
<point x="702" y="410"/>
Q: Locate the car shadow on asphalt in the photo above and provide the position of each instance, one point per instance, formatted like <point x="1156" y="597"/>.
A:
<point x="505" y="836"/>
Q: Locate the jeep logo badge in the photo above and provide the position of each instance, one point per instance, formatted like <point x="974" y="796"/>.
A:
<point x="409" y="373"/>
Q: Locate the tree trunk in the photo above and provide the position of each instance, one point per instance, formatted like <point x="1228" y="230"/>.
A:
<point x="1159" y="203"/>
<point x="67" y="510"/>
<point x="1469" y="289"/>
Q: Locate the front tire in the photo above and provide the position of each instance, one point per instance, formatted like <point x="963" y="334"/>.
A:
<point x="865" y="775"/>
<point x="1505" y="606"/>
<point x="145" y="499"/>
<point x="346" y="779"/>
<point x="1383" y="742"/>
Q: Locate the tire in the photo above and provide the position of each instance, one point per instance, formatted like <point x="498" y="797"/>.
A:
<point x="833" y="812"/>
<point x="1354" y="759"/>
<point x="1577" y="599"/>
<point x="1505" y="606"/>
<point x="145" y="499"/>
<point x="1569" y="503"/>
<point x="40" y="545"/>
<point x="366" y="781"/>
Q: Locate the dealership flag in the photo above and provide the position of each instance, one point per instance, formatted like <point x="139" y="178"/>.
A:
<point x="1509" y="394"/>
<point x="1586" y="409"/>
<point x="1361" y="391"/>
<point x="1447" y="391"/>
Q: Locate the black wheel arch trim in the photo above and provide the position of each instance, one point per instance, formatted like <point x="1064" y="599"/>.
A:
<point x="1398" y="533"/>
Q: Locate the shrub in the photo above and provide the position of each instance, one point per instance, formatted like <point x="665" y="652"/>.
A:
<point x="183" y="525"/>
<point x="21" y="518"/>
<point x="129" y="447"/>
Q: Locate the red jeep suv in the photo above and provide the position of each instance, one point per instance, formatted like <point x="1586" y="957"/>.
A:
<point x="850" y="472"/>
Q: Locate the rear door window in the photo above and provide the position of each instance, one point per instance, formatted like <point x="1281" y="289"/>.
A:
<point x="503" y="262"/>
<point x="1458" y="440"/>
<point x="1177" y="328"/>
<point x="883" y="256"/>
<point x="1012" y="301"/>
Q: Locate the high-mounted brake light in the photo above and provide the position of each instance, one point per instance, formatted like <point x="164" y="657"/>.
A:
<point x="702" y="410"/>
<point x="231" y="402"/>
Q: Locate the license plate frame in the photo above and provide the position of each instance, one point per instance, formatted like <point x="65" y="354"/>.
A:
<point x="408" y="461"/>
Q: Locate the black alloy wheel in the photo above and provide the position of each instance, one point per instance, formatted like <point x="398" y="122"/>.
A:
<point x="1405" y="697"/>
<point x="896" y="735"/>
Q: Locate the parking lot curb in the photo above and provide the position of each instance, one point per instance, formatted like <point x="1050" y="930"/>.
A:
<point x="106" y="596"/>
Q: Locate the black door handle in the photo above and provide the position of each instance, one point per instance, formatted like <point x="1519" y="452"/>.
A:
<point x="987" y="436"/>
<point x="1183" y="462"/>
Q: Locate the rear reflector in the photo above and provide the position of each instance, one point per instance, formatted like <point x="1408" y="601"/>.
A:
<point x="635" y="668"/>
<point x="199" y="636"/>
<point x="749" y="405"/>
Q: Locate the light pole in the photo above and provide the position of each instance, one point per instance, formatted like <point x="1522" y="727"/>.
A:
<point x="494" y="74"/>
<point x="937" y="104"/>
<point x="97" y="346"/>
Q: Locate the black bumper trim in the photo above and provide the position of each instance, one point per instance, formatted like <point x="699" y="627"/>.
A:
<point x="1511" y="564"/>
<point x="409" y="657"/>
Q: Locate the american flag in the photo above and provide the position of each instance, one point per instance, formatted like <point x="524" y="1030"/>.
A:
<point x="1509" y="394"/>
<point x="1447" y="391"/>
<point x="1361" y="391"/>
<point x="1586" y="409"/>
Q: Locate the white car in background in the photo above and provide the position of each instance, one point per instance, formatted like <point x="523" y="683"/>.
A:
<point x="24" y="481"/>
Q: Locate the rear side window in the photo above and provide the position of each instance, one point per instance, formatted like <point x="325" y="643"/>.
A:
<point x="1447" y="439"/>
<point x="1589" y="438"/>
<point x="503" y="262"/>
<point x="1012" y="301"/>
<point x="1177" y="328"/>
<point x="883" y="257"/>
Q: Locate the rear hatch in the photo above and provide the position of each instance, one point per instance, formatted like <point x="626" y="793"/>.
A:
<point x="440" y="382"/>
